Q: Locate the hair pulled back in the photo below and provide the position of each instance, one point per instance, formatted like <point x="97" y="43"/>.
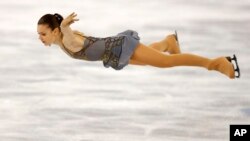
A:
<point x="52" y="20"/>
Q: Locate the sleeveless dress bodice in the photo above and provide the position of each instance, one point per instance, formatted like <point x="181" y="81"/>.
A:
<point x="114" y="51"/>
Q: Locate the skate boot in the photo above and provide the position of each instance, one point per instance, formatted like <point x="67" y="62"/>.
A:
<point x="173" y="44"/>
<point x="234" y="61"/>
<point x="225" y="66"/>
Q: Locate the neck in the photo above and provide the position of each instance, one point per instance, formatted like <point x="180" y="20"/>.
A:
<point x="58" y="40"/>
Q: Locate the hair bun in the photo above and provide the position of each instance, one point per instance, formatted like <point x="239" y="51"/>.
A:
<point x="58" y="17"/>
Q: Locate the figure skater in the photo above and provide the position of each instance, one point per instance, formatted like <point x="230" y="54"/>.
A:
<point x="125" y="48"/>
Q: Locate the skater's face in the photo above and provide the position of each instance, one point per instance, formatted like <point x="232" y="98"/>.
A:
<point x="46" y="34"/>
<point x="48" y="28"/>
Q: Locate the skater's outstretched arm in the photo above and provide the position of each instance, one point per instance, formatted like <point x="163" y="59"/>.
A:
<point x="68" y="34"/>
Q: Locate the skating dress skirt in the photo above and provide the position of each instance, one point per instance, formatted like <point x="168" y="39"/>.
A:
<point x="114" y="51"/>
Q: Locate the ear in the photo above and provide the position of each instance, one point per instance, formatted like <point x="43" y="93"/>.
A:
<point x="56" y="31"/>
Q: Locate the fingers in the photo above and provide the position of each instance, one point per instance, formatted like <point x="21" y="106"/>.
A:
<point x="73" y="21"/>
<point x="70" y="19"/>
<point x="72" y="15"/>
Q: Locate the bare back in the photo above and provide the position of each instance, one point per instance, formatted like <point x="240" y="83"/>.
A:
<point x="75" y="45"/>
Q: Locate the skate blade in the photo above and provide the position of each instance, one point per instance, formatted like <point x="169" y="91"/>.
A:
<point x="176" y="37"/>
<point x="237" y="68"/>
<point x="234" y="61"/>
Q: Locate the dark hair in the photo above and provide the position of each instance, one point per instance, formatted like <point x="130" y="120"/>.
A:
<point x="53" y="21"/>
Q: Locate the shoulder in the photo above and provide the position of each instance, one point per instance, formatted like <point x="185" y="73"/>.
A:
<point x="76" y="32"/>
<point x="75" y="42"/>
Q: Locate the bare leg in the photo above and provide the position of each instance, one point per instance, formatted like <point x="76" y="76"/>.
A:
<point x="169" y="44"/>
<point x="149" y="56"/>
<point x="133" y="62"/>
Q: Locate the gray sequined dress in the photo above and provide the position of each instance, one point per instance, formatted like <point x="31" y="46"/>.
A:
<point x="114" y="51"/>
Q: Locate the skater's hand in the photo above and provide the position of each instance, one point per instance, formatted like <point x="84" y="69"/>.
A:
<point x="69" y="20"/>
